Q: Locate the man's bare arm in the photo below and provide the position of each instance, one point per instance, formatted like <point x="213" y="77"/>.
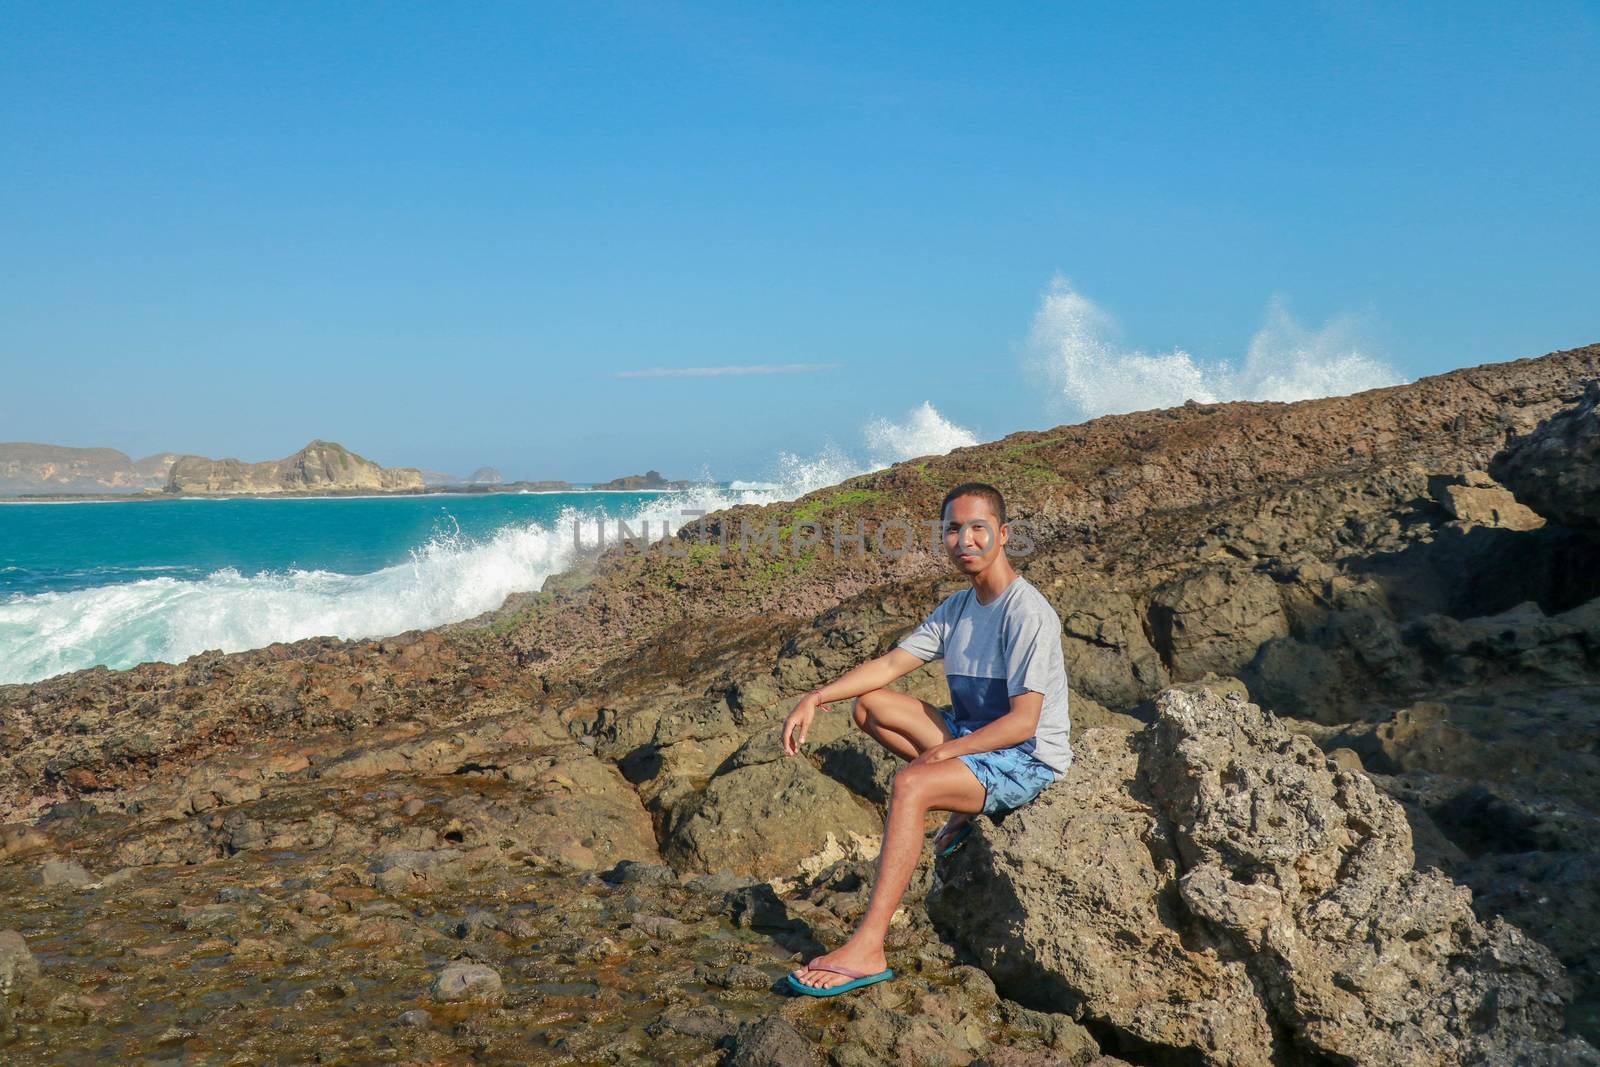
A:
<point x="1012" y="728"/>
<point x="863" y="678"/>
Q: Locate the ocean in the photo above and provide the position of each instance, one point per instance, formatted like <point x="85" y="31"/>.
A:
<point x="117" y="583"/>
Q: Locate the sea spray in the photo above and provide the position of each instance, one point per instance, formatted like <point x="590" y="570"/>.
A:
<point x="449" y="577"/>
<point x="924" y="433"/>
<point x="1070" y="347"/>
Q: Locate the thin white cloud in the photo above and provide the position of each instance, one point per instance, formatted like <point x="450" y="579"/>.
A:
<point x="718" y="372"/>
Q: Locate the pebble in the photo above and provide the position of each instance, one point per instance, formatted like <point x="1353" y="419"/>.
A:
<point x="315" y="901"/>
<point x="64" y="872"/>
<point x="475" y="924"/>
<point x="660" y="926"/>
<point x="16" y="962"/>
<point x="632" y="872"/>
<point x="465" y="980"/>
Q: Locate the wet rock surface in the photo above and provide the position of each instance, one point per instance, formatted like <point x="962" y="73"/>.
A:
<point x="273" y="956"/>
<point x="330" y="851"/>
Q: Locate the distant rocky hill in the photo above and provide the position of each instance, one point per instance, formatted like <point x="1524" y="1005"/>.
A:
<point x="36" y="468"/>
<point x="647" y="480"/>
<point x="319" y="467"/>
<point x="481" y="476"/>
<point x="154" y="469"/>
<point x="548" y="486"/>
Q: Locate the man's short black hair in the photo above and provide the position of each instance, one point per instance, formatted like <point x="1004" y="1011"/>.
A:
<point x="997" y="503"/>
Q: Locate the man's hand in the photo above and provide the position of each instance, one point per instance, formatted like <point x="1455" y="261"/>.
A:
<point x="799" y="722"/>
<point x="936" y="754"/>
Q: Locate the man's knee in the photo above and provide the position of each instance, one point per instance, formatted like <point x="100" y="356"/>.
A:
<point x="862" y="710"/>
<point x="911" y="785"/>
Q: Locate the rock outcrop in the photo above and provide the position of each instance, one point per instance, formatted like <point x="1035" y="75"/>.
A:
<point x="648" y="480"/>
<point x="1214" y="887"/>
<point x="1555" y="470"/>
<point x="319" y="467"/>
<point x="1478" y="500"/>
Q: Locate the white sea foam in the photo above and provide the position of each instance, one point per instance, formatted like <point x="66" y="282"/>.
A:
<point x="1072" y="346"/>
<point x="448" y="579"/>
<point x="925" y="432"/>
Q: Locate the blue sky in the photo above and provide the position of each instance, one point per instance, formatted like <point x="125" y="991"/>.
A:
<point x="441" y="234"/>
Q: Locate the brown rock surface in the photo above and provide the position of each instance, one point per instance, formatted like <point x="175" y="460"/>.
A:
<point x="1555" y="469"/>
<point x="1477" y="499"/>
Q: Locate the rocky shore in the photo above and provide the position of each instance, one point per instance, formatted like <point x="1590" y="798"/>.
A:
<point x="1335" y="671"/>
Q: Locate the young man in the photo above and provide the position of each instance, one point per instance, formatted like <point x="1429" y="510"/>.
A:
<point x="1002" y="740"/>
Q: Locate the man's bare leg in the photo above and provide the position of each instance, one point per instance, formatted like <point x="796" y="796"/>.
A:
<point x="900" y="722"/>
<point x="907" y="726"/>
<point x="949" y="785"/>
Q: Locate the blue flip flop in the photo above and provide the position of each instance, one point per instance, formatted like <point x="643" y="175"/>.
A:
<point x="857" y="980"/>
<point x="956" y="841"/>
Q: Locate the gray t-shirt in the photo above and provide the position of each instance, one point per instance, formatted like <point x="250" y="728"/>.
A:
<point x="993" y="652"/>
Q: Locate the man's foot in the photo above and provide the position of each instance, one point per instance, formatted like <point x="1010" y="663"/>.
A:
<point x="850" y="956"/>
<point x="948" y="832"/>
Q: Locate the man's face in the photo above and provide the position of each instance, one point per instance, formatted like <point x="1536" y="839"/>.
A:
<point x="973" y="536"/>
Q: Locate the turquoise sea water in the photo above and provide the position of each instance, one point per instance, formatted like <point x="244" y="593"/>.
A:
<point x="79" y="545"/>
<point x="120" y="583"/>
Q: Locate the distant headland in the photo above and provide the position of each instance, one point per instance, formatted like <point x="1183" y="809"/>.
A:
<point x="322" y="468"/>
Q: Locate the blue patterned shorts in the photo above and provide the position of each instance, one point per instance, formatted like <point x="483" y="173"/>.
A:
<point x="1010" y="776"/>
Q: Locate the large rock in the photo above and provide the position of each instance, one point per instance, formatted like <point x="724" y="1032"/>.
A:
<point x="1555" y="470"/>
<point x="1214" y="619"/>
<point x="1475" y="499"/>
<point x="1299" y="679"/>
<point x="1103" y="643"/>
<point x="1068" y="904"/>
<point x="765" y="817"/>
<point x="1216" y="887"/>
